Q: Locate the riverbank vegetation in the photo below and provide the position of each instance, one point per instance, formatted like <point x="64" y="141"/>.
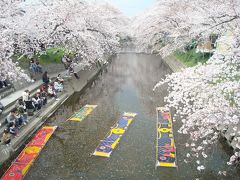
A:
<point x="50" y="56"/>
<point x="191" y="58"/>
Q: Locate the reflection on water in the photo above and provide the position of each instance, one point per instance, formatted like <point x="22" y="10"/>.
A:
<point x="126" y="86"/>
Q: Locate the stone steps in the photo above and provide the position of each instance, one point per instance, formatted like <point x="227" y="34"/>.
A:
<point x="4" y="92"/>
<point x="9" y="107"/>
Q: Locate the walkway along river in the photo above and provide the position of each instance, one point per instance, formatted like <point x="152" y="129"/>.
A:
<point x="126" y="86"/>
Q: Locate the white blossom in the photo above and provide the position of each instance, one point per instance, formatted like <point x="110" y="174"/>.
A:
<point x="200" y="168"/>
<point x="91" y="30"/>
<point x="206" y="96"/>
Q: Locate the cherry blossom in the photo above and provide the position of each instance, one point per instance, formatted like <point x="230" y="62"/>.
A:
<point x="206" y="97"/>
<point x="91" y="30"/>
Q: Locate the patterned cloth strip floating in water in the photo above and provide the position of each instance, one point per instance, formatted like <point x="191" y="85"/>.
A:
<point x="25" y="159"/>
<point x="110" y="142"/>
<point x="82" y="113"/>
<point x="166" y="150"/>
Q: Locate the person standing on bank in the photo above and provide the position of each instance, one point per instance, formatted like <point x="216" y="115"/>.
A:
<point x="45" y="78"/>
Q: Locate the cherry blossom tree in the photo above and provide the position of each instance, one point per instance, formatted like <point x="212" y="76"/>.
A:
<point x="169" y="25"/>
<point x="206" y="97"/>
<point x="90" y="30"/>
<point x="8" y="69"/>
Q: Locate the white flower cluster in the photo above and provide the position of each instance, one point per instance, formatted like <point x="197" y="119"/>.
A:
<point x="170" y="24"/>
<point x="27" y="27"/>
<point x="206" y="97"/>
<point x="234" y="158"/>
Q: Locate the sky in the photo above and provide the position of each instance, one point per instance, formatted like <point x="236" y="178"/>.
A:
<point x="132" y="7"/>
<point x="128" y="7"/>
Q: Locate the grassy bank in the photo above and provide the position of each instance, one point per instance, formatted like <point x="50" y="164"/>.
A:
<point x="191" y="58"/>
<point x="50" y="56"/>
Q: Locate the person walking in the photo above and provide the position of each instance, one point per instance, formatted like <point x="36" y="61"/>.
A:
<point x="72" y="70"/>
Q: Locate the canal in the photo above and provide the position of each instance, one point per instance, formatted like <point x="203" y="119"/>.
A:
<point x="125" y="86"/>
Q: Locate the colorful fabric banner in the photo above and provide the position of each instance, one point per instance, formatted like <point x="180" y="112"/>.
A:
<point x="82" y="113"/>
<point x="166" y="150"/>
<point x="110" y="142"/>
<point x="25" y="159"/>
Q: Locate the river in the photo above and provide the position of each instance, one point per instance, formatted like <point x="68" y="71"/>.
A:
<point x="125" y="86"/>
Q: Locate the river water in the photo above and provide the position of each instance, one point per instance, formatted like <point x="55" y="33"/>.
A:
<point x="126" y="86"/>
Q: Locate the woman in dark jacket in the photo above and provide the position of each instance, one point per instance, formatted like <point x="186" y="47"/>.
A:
<point x="45" y="78"/>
